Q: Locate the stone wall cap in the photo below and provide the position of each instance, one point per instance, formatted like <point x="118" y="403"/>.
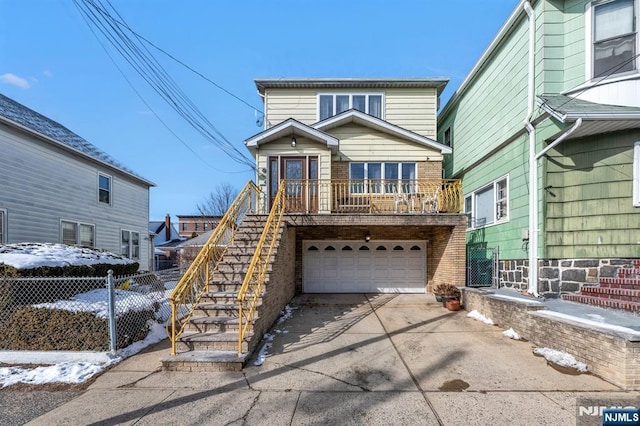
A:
<point x="615" y="330"/>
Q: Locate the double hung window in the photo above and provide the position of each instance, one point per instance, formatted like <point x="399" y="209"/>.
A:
<point x="130" y="244"/>
<point x="333" y="104"/>
<point x="381" y="177"/>
<point x="3" y="226"/>
<point x="75" y="233"/>
<point x="104" y="189"/>
<point x="614" y="37"/>
<point x="488" y="205"/>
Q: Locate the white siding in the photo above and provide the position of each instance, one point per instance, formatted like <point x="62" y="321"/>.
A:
<point x="43" y="184"/>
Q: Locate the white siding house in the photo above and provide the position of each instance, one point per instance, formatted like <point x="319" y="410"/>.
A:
<point x="56" y="187"/>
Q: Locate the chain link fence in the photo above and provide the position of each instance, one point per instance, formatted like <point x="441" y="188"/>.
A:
<point x="483" y="267"/>
<point x="82" y="313"/>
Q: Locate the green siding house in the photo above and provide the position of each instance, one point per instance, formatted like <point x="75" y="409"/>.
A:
<point x="545" y="135"/>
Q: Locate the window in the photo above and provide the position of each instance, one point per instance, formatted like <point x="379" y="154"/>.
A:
<point x="330" y="105"/>
<point x="488" y="205"/>
<point x="447" y="136"/>
<point x="104" y="189"/>
<point x="614" y="37"/>
<point x="75" y="233"/>
<point x="381" y="177"/>
<point x="3" y="226"/>
<point x="636" y="174"/>
<point x="197" y="226"/>
<point x="130" y="244"/>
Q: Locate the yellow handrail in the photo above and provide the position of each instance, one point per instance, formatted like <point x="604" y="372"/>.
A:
<point x="252" y="285"/>
<point x="195" y="281"/>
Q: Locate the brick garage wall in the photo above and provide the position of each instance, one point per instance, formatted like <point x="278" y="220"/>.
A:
<point x="613" y="356"/>
<point x="557" y="276"/>
<point x="445" y="249"/>
<point x="280" y="287"/>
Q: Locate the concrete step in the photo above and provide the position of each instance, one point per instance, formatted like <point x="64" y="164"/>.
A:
<point x="219" y="324"/>
<point x="211" y="309"/>
<point x="205" y="361"/>
<point x="606" y="303"/>
<point x="629" y="295"/>
<point x="210" y="342"/>
<point x="219" y="297"/>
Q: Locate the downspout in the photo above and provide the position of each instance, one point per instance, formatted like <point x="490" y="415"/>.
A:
<point x="533" y="170"/>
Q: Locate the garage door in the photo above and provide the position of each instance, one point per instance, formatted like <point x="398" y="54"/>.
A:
<point x="360" y="267"/>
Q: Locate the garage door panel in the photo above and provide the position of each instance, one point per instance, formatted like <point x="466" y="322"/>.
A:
<point x="354" y="267"/>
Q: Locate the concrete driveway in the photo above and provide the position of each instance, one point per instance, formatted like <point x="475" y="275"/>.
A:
<point x="352" y="359"/>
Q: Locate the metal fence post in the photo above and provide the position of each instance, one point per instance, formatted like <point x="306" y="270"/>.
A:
<point x="111" y="287"/>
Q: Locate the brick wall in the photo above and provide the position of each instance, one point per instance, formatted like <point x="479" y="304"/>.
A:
<point x="612" y="355"/>
<point x="557" y="276"/>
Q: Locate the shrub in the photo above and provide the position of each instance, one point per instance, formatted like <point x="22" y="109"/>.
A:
<point x="448" y="290"/>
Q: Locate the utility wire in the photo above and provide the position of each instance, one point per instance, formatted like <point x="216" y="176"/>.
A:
<point x="147" y="66"/>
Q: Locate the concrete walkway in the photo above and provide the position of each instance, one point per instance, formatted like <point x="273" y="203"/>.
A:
<point x="351" y="360"/>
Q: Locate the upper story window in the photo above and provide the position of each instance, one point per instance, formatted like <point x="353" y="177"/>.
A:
<point x="382" y="177"/>
<point x="614" y="37"/>
<point x="333" y="104"/>
<point x="104" y="189"/>
<point x="488" y="205"/>
<point x="447" y="137"/>
<point x="75" y="233"/>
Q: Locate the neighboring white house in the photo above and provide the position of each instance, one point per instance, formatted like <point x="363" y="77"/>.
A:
<point x="57" y="187"/>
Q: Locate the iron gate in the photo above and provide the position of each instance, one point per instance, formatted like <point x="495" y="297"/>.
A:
<point x="482" y="267"/>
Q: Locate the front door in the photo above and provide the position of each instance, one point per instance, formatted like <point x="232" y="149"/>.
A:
<point x="301" y="175"/>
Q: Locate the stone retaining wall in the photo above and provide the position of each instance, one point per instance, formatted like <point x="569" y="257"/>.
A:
<point x="557" y="276"/>
<point x="612" y="355"/>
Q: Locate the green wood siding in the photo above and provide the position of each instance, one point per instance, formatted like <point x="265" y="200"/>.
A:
<point x="590" y="213"/>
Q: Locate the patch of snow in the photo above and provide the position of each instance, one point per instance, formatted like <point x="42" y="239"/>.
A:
<point x="561" y="358"/>
<point x="285" y="314"/>
<point x="264" y="350"/>
<point x="595" y="317"/>
<point x="511" y="333"/>
<point x="76" y="372"/>
<point x="34" y="255"/>
<point x="478" y="316"/>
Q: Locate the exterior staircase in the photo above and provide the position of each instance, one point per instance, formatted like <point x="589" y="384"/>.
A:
<point x="210" y="339"/>
<point x="621" y="293"/>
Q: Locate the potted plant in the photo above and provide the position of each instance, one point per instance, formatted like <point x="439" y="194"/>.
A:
<point x="449" y="295"/>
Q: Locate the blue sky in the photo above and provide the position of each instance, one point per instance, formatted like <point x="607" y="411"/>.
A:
<point x="51" y="62"/>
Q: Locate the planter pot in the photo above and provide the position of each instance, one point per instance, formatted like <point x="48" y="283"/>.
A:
<point x="438" y="297"/>
<point x="453" y="304"/>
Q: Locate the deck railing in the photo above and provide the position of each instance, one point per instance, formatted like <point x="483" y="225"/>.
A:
<point x="251" y="290"/>
<point x="373" y="196"/>
<point x="195" y="281"/>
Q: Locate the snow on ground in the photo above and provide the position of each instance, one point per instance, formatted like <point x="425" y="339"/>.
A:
<point x="478" y="316"/>
<point x="561" y="358"/>
<point x="34" y="255"/>
<point x="76" y="372"/>
<point x="511" y="333"/>
<point x="268" y="337"/>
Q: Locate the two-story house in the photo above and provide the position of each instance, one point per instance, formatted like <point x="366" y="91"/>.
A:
<point x="364" y="188"/>
<point x="545" y="133"/>
<point x="190" y="226"/>
<point x="58" y="188"/>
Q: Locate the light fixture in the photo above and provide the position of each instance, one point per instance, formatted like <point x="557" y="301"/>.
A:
<point x="367" y="237"/>
<point x="293" y="141"/>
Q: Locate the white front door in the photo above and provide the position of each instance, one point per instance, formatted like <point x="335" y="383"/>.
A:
<point x="345" y="266"/>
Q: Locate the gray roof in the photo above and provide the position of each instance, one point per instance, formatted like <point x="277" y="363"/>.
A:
<point x="350" y="83"/>
<point x="14" y="113"/>
<point x="596" y="118"/>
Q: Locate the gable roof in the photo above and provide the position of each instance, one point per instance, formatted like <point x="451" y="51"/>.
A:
<point x="291" y="127"/>
<point x="596" y="118"/>
<point x="19" y="116"/>
<point x="350" y="83"/>
<point x="366" y="120"/>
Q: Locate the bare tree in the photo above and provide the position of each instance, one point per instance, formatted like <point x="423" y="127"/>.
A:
<point x="218" y="201"/>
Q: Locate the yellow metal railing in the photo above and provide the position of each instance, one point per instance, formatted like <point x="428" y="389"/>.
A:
<point x="251" y="289"/>
<point x="195" y="281"/>
<point x="373" y="196"/>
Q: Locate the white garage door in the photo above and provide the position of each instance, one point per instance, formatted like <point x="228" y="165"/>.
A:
<point x="360" y="267"/>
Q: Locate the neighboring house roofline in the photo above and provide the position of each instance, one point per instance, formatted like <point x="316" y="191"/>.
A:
<point x="198" y="216"/>
<point x="98" y="156"/>
<point x="359" y="117"/>
<point x="502" y="34"/>
<point x="596" y="118"/>
<point x="438" y="83"/>
<point x="291" y="127"/>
